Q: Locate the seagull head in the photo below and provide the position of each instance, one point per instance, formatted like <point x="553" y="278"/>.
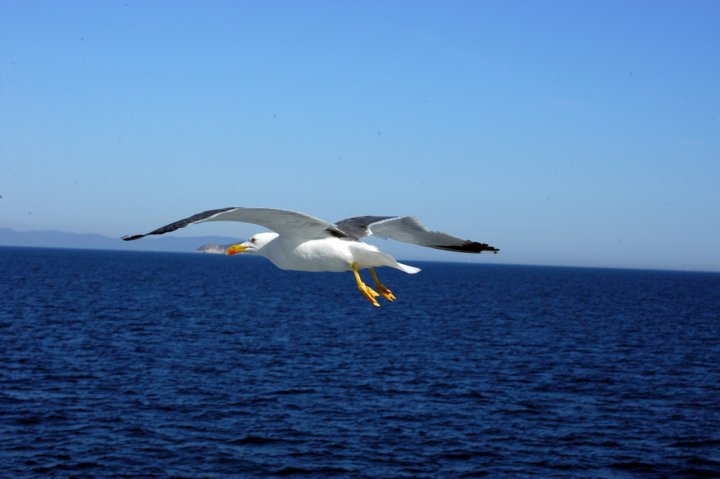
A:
<point x="253" y="245"/>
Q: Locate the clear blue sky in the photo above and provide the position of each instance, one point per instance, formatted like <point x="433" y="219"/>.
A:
<point x="570" y="133"/>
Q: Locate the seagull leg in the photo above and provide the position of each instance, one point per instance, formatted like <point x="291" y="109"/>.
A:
<point x="380" y="287"/>
<point x="366" y="290"/>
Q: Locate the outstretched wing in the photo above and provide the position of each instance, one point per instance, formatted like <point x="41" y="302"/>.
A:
<point x="409" y="230"/>
<point x="284" y="222"/>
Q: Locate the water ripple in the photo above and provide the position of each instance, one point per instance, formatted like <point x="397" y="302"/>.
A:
<point x="150" y="365"/>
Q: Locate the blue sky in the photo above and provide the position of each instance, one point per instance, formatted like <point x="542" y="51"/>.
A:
<point x="569" y="133"/>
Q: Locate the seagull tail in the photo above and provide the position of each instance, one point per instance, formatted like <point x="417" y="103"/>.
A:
<point x="368" y="255"/>
<point x="407" y="269"/>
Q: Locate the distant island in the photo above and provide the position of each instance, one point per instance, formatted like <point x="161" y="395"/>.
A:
<point x="59" y="239"/>
<point x="212" y="248"/>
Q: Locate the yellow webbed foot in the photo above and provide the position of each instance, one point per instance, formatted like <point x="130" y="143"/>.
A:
<point x="370" y="294"/>
<point x="387" y="294"/>
<point x="366" y="290"/>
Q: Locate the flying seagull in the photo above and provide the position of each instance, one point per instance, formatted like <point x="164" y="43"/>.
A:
<point x="304" y="243"/>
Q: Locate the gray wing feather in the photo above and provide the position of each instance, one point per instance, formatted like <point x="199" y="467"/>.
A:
<point x="359" y="226"/>
<point x="284" y="222"/>
<point x="409" y="230"/>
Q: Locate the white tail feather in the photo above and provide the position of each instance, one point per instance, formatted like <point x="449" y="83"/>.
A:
<point x="408" y="269"/>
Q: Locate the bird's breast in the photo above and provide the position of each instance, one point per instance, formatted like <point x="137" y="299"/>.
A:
<point x="317" y="255"/>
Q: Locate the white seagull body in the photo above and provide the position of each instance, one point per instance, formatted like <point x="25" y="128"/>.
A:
<point x="327" y="254"/>
<point x="304" y="243"/>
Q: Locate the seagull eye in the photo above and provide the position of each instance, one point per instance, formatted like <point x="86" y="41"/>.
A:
<point x="252" y="240"/>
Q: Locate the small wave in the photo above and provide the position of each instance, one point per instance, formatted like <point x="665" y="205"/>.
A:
<point x="292" y="391"/>
<point x="71" y="467"/>
<point x="302" y="471"/>
<point x="634" y="466"/>
<point x="698" y="443"/>
<point x="254" y="440"/>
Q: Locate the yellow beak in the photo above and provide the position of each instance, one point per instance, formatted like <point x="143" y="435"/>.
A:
<point x="235" y="249"/>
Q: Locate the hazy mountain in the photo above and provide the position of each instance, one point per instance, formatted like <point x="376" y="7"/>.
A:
<point x="212" y="248"/>
<point x="59" y="239"/>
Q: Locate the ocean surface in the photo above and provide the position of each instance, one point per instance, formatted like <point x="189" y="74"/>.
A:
<point x="160" y="365"/>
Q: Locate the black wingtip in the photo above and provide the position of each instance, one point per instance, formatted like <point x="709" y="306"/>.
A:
<point x="131" y="238"/>
<point x="468" y="247"/>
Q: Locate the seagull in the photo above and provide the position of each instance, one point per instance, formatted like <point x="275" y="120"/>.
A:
<point x="301" y="242"/>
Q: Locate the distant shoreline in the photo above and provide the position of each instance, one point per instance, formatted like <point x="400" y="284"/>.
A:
<point x="408" y="260"/>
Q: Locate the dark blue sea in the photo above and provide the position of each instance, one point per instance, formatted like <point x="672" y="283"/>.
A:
<point x="159" y="365"/>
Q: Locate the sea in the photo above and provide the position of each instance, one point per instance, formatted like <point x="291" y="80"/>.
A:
<point x="162" y="365"/>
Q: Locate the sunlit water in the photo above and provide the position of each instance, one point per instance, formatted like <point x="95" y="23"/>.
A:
<point x="116" y="364"/>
